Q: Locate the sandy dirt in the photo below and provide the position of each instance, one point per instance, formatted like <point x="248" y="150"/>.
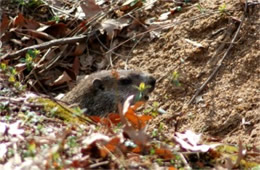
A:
<point x="228" y="108"/>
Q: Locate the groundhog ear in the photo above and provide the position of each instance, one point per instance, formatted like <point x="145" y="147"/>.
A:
<point x="97" y="84"/>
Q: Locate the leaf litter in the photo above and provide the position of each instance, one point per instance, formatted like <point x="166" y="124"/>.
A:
<point x="38" y="132"/>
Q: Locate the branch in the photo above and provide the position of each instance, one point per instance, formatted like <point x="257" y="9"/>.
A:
<point x="44" y="45"/>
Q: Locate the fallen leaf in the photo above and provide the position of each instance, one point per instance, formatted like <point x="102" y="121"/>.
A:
<point x="109" y="147"/>
<point x="80" y="48"/>
<point x="148" y="4"/>
<point x="190" y="141"/>
<point x="19" y="21"/>
<point x="90" y="8"/>
<point x="76" y="65"/>
<point x="95" y="137"/>
<point x="112" y="26"/>
<point x="4" y="24"/>
<point x="57" y="30"/>
<point x="61" y="79"/>
<point x="165" y="153"/>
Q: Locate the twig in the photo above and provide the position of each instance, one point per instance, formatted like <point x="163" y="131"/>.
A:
<point x="45" y="45"/>
<point x="99" y="164"/>
<point x="52" y="62"/>
<point x="221" y="60"/>
<point x="168" y="25"/>
<point x="187" y="166"/>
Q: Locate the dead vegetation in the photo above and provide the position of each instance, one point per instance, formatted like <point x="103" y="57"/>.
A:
<point x="206" y="59"/>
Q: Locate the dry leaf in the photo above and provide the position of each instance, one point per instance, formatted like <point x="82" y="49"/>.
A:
<point x="76" y="65"/>
<point x="4" y="24"/>
<point x="61" y="79"/>
<point x="90" y="8"/>
<point x="112" y="26"/>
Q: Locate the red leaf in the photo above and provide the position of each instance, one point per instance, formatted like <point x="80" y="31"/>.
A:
<point x="172" y="168"/>
<point x="95" y="118"/>
<point x="166" y="154"/>
<point x="110" y="146"/>
<point x="4" y="24"/>
<point x="19" y="21"/>
<point x="76" y="65"/>
<point x="138" y="122"/>
<point x="137" y="149"/>
<point x="137" y="105"/>
<point x="114" y="118"/>
<point x="31" y="24"/>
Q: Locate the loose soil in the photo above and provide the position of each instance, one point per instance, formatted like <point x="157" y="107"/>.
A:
<point x="228" y="108"/>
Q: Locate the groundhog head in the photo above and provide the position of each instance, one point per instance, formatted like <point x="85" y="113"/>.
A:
<point x="125" y="84"/>
<point x="101" y="92"/>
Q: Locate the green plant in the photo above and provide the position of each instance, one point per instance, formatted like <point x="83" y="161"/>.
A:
<point x="31" y="150"/>
<point x="4" y="106"/>
<point x="153" y="111"/>
<point x="29" y="3"/>
<point x="222" y="8"/>
<point x="134" y="2"/>
<point x="11" y="73"/>
<point x="56" y="19"/>
<point x="53" y="111"/>
<point x="175" y="76"/>
<point x="201" y="9"/>
<point x="78" y="111"/>
<point x="141" y="88"/>
<point x="72" y="142"/>
<point x="29" y="58"/>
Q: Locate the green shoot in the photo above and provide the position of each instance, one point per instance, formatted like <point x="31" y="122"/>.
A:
<point x="175" y="78"/>
<point x="222" y="8"/>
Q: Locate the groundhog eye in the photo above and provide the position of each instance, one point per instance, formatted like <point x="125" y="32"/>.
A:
<point x="125" y="81"/>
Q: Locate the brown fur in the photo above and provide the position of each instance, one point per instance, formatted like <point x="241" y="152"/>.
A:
<point x="101" y="92"/>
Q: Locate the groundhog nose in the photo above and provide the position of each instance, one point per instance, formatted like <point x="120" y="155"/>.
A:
<point x="152" y="82"/>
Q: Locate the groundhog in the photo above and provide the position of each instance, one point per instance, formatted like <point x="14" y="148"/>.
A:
<point x="101" y="92"/>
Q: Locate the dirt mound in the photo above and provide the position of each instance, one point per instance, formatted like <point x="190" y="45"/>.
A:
<point x="228" y="108"/>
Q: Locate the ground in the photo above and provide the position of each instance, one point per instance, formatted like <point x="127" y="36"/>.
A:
<point x="228" y="108"/>
<point x="193" y="42"/>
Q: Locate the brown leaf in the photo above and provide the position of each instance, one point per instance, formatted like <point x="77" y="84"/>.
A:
<point x="4" y="24"/>
<point x="57" y="30"/>
<point x="61" y="79"/>
<point x="40" y="35"/>
<point x="76" y="66"/>
<point x="127" y="6"/>
<point x="20" y="67"/>
<point x="80" y="48"/>
<point x="19" y="20"/>
<point x="112" y="26"/>
<point x="90" y="8"/>
<point x="31" y="24"/>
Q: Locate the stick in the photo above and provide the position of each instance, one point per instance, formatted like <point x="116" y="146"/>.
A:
<point x="221" y="60"/>
<point x="45" y="45"/>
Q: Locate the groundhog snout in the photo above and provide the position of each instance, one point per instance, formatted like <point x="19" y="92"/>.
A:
<point x="151" y="81"/>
